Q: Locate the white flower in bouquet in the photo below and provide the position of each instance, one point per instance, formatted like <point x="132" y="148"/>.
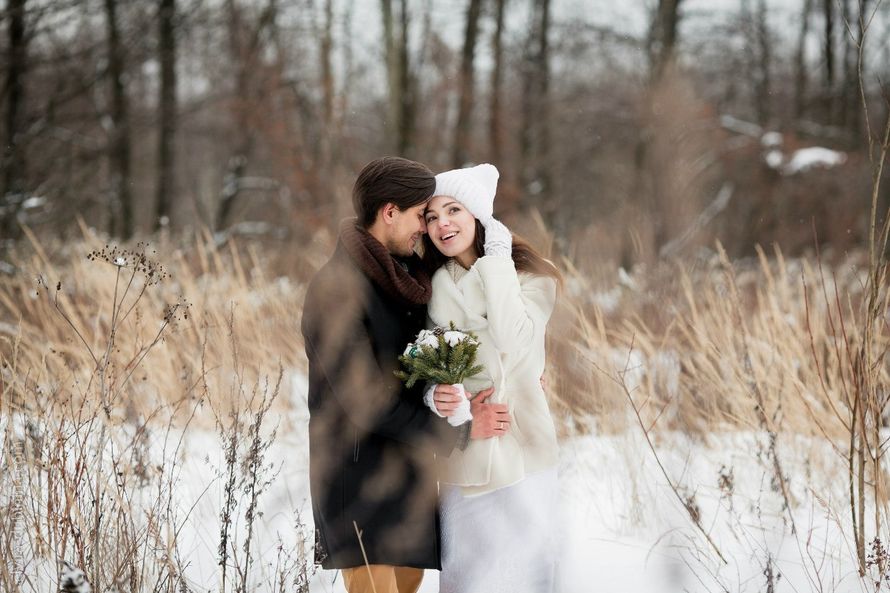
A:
<point x="456" y="337"/>
<point x="424" y="338"/>
<point x="427" y="338"/>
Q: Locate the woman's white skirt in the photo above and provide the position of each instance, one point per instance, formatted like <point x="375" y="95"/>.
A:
<point x="501" y="541"/>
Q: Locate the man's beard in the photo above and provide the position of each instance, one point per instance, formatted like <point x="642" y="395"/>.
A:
<point x="402" y="249"/>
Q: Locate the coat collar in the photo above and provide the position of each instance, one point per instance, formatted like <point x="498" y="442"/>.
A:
<point x="458" y="296"/>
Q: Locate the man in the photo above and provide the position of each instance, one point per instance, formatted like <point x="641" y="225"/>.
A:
<point x="372" y="441"/>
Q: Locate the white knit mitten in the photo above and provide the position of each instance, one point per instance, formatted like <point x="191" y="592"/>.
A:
<point x="498" y="239"/>
<point x="461" y="415"/>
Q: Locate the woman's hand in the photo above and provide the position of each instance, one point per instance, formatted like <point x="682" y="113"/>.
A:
<point x="489" y="420"/>
<point x="498" y="239"/>
<point x="446" y="399"/>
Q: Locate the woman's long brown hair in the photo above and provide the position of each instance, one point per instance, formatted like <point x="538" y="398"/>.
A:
<point x="525" y="258"/>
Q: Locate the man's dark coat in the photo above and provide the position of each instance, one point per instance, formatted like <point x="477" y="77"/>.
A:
<point x="372" y="442"/>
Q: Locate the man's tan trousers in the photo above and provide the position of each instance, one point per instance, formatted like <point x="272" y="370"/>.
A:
<point x="381" y="578"/>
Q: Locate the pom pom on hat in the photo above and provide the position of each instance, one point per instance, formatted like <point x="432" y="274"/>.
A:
<point x="474" y="187"/>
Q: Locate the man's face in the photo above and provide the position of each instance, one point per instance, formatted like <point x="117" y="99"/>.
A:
<point x="407" y="228"/>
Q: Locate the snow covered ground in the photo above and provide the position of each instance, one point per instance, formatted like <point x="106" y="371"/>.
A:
<point x="622" y="528"/>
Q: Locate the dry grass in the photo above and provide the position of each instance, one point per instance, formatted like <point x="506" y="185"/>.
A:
<point x="57" y="310"/>
<point x="709" y="345"/>
<point x="696" y="337"/>
<point x="108" y="358"/>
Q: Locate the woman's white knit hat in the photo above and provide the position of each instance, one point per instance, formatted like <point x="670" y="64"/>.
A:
<point x="474" y="187"/>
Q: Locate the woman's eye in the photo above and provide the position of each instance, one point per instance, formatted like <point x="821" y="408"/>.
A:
<point x="453" y="210"/>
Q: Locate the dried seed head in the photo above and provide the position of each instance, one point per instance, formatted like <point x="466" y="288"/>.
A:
<point x="134" y="259"/>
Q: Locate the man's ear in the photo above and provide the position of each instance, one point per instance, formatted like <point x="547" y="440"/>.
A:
<point x="388" y="212"/>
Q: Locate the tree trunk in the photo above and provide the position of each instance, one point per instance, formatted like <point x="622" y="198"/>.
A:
<point x="348" y="66"/>
<point x="327" y="69"/>
<point x="401" y="100"/>
<point x="647" y="194"/>
<point x="543" y="97"/>
<point x="462" y="149"/>
<point x="764" y="64"/>
<point x="13" y="156"/>
<point x="528" y="115"/>
<point x="119" y="137"/>
<point x="828" y="55"/>
<point x="392" y="75"/>
<point x="325" y="54"/>
<point x="663" y="38"/>
<point x="535" y="135"/>
<point x="407" y="88"/>
<point x="495" y="124"/>
<point x="167" y="106"/>
<point x="851" y="107"/>
<point x="244" y="49"/>
<point x="800" y="86"/>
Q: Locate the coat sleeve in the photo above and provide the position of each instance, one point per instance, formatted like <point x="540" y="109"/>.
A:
<point x="515" y="310"/>
<point x="343" y="361"/>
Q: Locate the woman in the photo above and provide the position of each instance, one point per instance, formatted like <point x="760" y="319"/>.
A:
<point x="497" y="496"/>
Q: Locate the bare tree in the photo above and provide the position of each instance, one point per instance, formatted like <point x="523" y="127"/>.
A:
<point x="328" y="93"/>
<point x="119" y="137"/>
<point x="660" y="45"/>
<point x="800" y="67"/>
<point x="495" y="122"/>
<point x="854" y="63"/>
<point x="758" y="52"/>
<point x="763" y="79"/>
<point x="461" y="151"/>
<point x="662" y="38"/>
<point x="167" y="107"/>
<point x="344" y="93"/>
<point x="535" y="134"/>
<point x="245" y="45"/>
<point x="327" y="68"/>
<point x="13" y="159"/>
<point x="828" y="59"/>
<point x="401" y="92"/>
<point x="392" y="72"/>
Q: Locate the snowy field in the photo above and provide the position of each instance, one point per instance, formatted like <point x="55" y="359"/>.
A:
<point x="622" y="527"/>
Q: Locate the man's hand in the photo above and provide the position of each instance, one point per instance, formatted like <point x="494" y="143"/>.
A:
<point x="447" y="398"/>
<point x="489" y="420"/>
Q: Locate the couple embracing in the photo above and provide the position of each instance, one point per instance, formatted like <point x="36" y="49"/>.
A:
<point x="396" y="488"/>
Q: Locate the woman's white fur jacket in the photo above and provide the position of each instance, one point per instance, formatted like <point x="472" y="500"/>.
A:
<point x="508" y="311"/>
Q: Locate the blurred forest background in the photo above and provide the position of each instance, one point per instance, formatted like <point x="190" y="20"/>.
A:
<point x="638" y="130"/>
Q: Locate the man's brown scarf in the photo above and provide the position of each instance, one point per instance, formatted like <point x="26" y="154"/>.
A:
<point x="382" y="267"/>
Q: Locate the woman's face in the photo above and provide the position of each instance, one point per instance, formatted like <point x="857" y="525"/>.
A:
<point x="451" y="227"/>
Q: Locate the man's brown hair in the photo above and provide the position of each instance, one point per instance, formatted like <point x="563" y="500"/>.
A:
<point x="390" y="179"/>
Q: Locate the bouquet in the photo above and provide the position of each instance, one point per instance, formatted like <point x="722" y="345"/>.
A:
<point x="443" y="356"/>
<point x="440" y="355"/>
